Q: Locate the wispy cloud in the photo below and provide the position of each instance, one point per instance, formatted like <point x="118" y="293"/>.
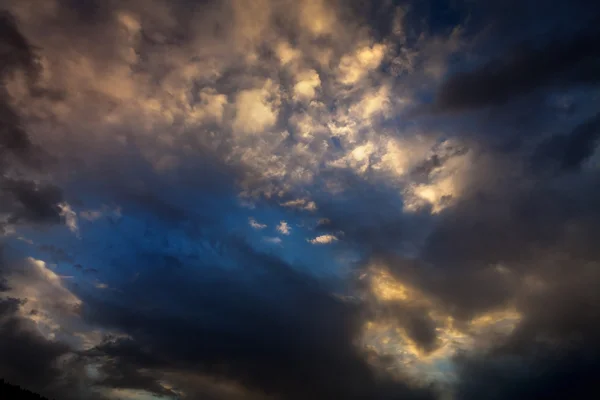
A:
<point x="273" y="240"/>
<point x="302" y="204"/>
<point x="255" y="224"/>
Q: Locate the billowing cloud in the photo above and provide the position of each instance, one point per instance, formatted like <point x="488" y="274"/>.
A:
<point x="307" y="85"/>
<point x="255" y="111"/>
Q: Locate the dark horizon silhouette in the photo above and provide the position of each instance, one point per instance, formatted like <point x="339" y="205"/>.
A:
<point x="9" y="391"/>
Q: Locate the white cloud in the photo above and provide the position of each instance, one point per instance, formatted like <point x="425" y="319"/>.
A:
<point x="284" y="228"/>
<point x="301" y="204"/>
<point x="70" y="217"/>
<point x="323" y="239"/>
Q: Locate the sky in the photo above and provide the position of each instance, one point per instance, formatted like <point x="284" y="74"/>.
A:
<point x="300" y="199"/>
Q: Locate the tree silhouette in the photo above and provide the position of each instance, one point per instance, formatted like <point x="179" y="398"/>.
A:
<point x="14" y="392"/>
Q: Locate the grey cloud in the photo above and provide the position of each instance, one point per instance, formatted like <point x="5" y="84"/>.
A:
<point x="23" y="200"/>
<point x="553" y="353"/>
<point x="34" y="362"/>
<point x="16" y="51"/>
<point x="120" y="375"/>
<point x="29" y="203"/>
<point x="15" y="54"/>
<point x="265" y="325"/>
<point x="293" y="341"/>
<point x="562" y="62"/>
<point x="546" y="375"/>
<point x="26" y="357"/>
<point x="509" y="229"/>
<point x="568" y="152"/>
<point x="419" y="326"/>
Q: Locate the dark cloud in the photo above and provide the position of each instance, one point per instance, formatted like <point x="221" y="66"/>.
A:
<point x="568" y="152"/>
<point x="15" y="50"/>
<point x="128" y="375"/>
<point x="514" y="227"/>
<point x="26" y="358"/>
<point x="552" y="354"/>
<point x="295" y="340"/>
<point x="520" y="235"/>
<point x="32" y="361"/>
<point x="514" y="235"/>
<point x="564" y="61"/>
<point x="372" y="229"/>
<point x="415" y="319"/>
<point x="15" y="54"/>
<point x="23" y="200"/>
<point x="30" y="203"/>
<point x="546" y="375"/>
<point x="4" y="285"/>
<point x="13" y="139"/>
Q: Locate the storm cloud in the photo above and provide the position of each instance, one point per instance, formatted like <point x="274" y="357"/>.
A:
<point x="299" y="199"/>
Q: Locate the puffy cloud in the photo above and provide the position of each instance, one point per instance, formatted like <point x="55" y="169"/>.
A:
<point x="284" y="228"/>
<point x="256" y="112"/>
<point x="318" y="17"/>
<point x="354" y="67"/>
<point x="307" y="85"/>
<point x="323" y="239"/>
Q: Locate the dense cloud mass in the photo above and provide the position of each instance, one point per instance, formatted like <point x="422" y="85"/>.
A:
<point x="315" y="199"/>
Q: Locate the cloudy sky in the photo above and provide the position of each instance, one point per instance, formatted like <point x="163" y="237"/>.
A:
<point x="300" y="199"/>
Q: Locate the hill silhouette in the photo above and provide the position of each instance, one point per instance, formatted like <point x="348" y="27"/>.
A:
<point x="14" y="392"/>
